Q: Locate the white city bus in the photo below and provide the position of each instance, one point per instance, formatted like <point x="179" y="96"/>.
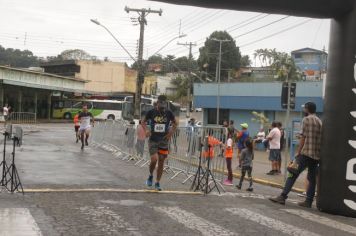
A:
<point x="101" y="109"/>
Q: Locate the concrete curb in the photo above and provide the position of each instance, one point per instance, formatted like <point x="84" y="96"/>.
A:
<point x="112" y="190"/>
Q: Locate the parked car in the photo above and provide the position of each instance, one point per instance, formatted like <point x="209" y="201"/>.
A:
<point x="198" y="109"/>
<point x="183" y="109"/>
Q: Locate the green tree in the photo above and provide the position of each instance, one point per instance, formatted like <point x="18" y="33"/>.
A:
<point x="245" y="61"/>
<point x="230" y="58"/>
<point x="261" y="119"/>
<point x="72" y="54"/>
<point x="281" y="63"/>
<point x="17" y="58"/>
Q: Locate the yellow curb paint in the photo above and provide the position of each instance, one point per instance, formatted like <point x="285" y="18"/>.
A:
<point x="48" y="190"/>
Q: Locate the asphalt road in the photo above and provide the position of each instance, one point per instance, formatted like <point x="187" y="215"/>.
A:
<point x="91" y="194"/>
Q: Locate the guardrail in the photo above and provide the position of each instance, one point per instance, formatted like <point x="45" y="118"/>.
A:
<point x="22" y="118"/>
<point x="185" y="148"/>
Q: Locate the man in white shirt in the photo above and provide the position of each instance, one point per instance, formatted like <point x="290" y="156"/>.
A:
<point x="5" y="112"/>
<point x="274" y="138"/>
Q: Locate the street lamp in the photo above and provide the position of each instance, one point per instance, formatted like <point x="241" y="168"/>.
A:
<point x="122" y="46"/>
<point x="178" y="37"/>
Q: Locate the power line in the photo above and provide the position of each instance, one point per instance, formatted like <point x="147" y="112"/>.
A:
<point x="242" y="24"/>
<point x="279" y="32"/>
<point x="261" y="27"/>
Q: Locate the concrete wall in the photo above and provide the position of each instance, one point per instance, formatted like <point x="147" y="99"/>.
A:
<point x="165" y="86"/>
<point x="148" y="86"/>
<point x="255" y="96"/>
<point x="103" y="76"/>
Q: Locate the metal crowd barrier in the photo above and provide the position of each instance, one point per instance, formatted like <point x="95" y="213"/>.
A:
<point x="22" y="118"/>
<point x="27" y="120"/>
<point x="186" y="147"/>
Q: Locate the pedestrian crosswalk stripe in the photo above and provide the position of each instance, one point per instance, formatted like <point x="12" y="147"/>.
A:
<point x="194" y="222"/>
<point x="18" y="221"/>
<point x="270" y="222"/>
<point x="322" y="220"/>
<point x="109" y="221"/>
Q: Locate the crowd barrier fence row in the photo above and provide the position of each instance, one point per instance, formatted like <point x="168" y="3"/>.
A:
<point x="185" y="148"/>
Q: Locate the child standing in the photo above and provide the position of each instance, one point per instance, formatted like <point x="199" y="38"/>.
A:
<point x="247" y="156"/>
<point x="228" y="156"/>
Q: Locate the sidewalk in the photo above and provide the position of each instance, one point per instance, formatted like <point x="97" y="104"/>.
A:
<point x="261" y="165"/>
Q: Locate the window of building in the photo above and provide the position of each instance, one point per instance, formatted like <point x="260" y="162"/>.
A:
<point x="297" y="55"/>
<point x="224" y="115"/>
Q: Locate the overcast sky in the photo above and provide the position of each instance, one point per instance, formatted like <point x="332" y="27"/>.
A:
<point x="47" y="27"/>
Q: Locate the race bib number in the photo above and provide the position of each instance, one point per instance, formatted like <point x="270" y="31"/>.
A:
<point x="160" y="128"/>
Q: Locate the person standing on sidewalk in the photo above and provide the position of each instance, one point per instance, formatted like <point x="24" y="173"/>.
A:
<point x="228" y="156"/>
<point x="241" y="137"/>
<point x="141" y="139"/>
<point x="247" y="156"/>
<point x="274" y="138"/>
<point x="308" y="156"/>
<point x="283" y="143"/>
<point x="159" y="121"/>
<point x="5" y="112"/>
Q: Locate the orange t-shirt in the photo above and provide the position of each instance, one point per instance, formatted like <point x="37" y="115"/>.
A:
<point x="212" y="142"/>
<point x="76" y="120"/>
<point x="229" y="149"/>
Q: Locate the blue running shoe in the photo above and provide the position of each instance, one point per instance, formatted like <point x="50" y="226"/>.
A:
<point x="158" y="187"/>
<point x="149" y="181"/>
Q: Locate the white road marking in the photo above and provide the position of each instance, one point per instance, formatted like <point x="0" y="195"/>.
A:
<point x="194" y="222"/>
<point x="249" y="195"/>
<point x="353" y="113"/>
<point x="18" y="221"/>
<point x="270" y="223"/>
<point x="322" y="220"/>
<point x="109" y="221"/>
<point x="243" y="195"/>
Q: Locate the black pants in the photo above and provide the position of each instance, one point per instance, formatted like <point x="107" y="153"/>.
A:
<point x="229" y="168"/>
<point x="245" y="169"/>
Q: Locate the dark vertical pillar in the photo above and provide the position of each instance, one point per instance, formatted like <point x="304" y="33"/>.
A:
<point x="35" y="102"/>
<point x="337" y="188"/>
<point x="2" y="103"/>
<point x="49" y="105"/>
<point x="19" y="109"/>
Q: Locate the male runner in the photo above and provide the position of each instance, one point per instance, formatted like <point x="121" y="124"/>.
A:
<point x="85" y="118"/>
<point x="158" y="122"/>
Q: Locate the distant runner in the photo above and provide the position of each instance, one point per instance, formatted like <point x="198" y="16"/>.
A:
<point x="76" y="126"/>
<point x="158" y="121"/>
<point x="85" y="118"/>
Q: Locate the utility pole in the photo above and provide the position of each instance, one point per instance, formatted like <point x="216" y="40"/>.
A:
<point x="141" y="71"/>
<point x="189" y="74"/>
<point x="218" y="78"/>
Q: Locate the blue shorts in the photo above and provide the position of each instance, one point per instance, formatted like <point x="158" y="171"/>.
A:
<point x="274" y="155"/>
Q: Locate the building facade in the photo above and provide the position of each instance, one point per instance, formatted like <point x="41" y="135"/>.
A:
<point x="239" y="100"/>
<point x="31" y="91"/>
<point x="311" y="62"/>
<point x="104" y="78"/>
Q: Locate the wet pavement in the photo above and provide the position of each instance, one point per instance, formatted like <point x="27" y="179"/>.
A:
<point x="50" y="159"/>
